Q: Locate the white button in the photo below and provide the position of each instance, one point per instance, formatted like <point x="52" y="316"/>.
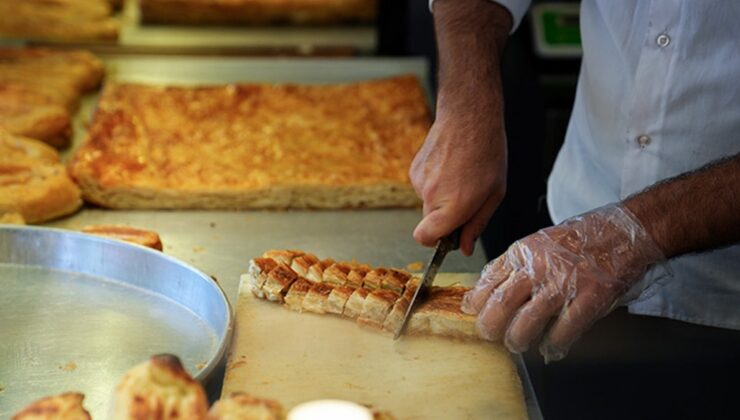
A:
<point x="643" y="140"/>
<point x="663" y="40"/>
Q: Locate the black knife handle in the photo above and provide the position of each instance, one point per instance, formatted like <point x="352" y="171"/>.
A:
<point x="452" y="240"/>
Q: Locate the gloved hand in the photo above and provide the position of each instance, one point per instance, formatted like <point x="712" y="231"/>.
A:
<point x="574" y="273"/>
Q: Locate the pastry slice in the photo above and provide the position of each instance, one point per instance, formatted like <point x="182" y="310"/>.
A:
<point x="278" y="281"/>
<point x="338" y="299"/>
<point x="284" y="256"/>
<point x="393" y="321"/>
<point x="297" y="292"/>
<point x="14" y="148"/>
<point x="242" y="406"/>
<point x="336" y="274"/>
<point x="316" y="271"/>
<point x="256" y="275"/>
<point x="67" y="406"/>
<point x="134" y="235"/>
<point x="395" y="280"/>
<point x="159" y="388"/>
<point x="376" y="307"/>
<point x="316" y="299"/>
<point x="374" y="278"/>
<point x="301" y="264"/>
<point x="444" y="316"/>
<point x="353" y="307"/>
<point x="36" y="190"/>
<point x="356" y="276"/>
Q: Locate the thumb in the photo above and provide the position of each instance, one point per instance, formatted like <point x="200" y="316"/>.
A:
<point x="436" y="224"/>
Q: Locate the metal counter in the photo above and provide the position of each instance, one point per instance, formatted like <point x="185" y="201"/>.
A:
<point x="220" y="243"/>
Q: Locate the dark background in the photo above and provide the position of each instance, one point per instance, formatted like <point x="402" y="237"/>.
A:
<point x="627" y="366"/>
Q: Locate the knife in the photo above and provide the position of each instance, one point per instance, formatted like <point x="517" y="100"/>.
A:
<point x="448" y="243"/>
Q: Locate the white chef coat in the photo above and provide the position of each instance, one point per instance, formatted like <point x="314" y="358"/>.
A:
<point x="658" y="95"/>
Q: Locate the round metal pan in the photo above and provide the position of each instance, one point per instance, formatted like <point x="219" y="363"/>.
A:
<point x="77" y="311"/>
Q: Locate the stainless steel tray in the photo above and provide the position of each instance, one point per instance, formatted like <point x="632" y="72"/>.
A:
<point x="77" y="311"/>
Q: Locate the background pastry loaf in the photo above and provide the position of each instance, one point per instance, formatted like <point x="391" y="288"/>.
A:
<point x="40" y="88"/>
<point x="254" y="146"/>
<point x="257" y="11"/>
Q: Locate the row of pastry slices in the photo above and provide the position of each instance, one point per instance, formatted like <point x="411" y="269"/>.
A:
<point x="161" y="389"/>
<point x="375" y="297"/>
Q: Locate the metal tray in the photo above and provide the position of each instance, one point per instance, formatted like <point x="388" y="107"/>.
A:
<point x="77" y="311"/>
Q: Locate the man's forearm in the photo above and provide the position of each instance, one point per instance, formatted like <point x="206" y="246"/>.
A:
<point x="693" y="212"/>
<point x="471" y="35"/>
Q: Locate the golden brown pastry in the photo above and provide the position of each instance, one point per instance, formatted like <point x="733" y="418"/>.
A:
<point x="11" y="218"/>
<point x="37" y="191"/>
<point x="242" y="406"/>
<point x="134" y="235"/>
<point x="257" y="11"/>
<point x="159" y="389"/>
<point x="65" y="20"/>
<point x="39" y="88"/>
<point x="254" y="146"/>
<point x="67" y="406"/>
<point x="381" y="307"/>
<point x="278" y="281"/>
<point x="297" y="293"/>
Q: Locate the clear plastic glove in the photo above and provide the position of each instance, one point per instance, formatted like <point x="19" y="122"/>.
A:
<point x="572" y="274"/>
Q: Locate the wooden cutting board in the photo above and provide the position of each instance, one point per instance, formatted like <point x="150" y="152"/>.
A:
<point x="296" y="357"/>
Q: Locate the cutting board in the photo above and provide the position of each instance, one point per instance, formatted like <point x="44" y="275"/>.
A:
<point x="296" y="357"/>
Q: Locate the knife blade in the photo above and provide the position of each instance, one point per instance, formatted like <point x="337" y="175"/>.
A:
<point x="448" y="243"/>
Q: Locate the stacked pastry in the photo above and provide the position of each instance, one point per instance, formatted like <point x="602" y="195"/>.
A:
<point x="374" y="297"/>
<point x="58" y="20"/>
<point x="41" y="88"/>
<point x="257" y="11"/>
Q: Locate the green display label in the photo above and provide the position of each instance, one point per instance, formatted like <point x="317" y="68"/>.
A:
<point x="561" y="28"/>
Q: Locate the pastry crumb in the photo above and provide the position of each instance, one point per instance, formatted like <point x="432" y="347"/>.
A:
<point x="68" y="367"/>
<point x="415" y="266"/>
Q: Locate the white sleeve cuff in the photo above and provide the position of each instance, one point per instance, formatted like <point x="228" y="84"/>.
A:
<point x="517" y="8"/>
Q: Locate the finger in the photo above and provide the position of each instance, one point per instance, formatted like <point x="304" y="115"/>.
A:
<point x="475" y="225"/>
<point x="502" y="305"/>
<point x="493" y="274"/>
<point x="532" y="318"/>
<point x="439" y="222"/>
<point x="587" y="307"/>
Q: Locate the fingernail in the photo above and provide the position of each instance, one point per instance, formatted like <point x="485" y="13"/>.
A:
<point x="514" y="347"/>
<point x="552" y="353"/>
<point x="467" y="304"/>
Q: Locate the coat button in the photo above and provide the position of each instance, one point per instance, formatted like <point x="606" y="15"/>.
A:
<point x="643" y="141"/>
<point x="663" y="40"/>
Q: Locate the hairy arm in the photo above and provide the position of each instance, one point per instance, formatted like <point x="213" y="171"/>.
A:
<point x="693" y="212"/>
<point x="578" y="271"/>
<point x="460" y="171"/>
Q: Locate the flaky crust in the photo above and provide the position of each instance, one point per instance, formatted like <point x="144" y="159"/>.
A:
<point x="257" y="11"/>
<point x="378" y="301"/>
<point x="67" y="406"/>
<point x="159" y="389"/>
<point x="67" y="20"/>
<point x="143" y="237"/>
<point x="242" y="406"/>
<point x="39" y="88"/>
<point x="39" y="192"/>
<point x="254" y="146"/>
